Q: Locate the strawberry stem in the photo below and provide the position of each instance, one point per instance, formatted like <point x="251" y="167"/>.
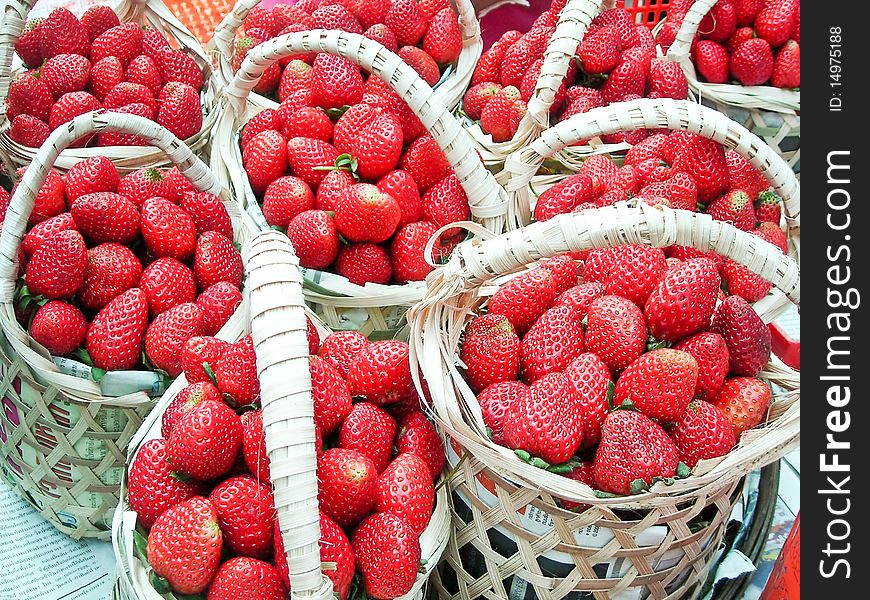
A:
<point x="451" y="473"/>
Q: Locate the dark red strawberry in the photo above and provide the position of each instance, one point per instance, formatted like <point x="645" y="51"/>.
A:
<point x="747" y="337"/>
<point x="364" y="263"/>
<point x="417" y="435"/>
<point x="490" y="351"/>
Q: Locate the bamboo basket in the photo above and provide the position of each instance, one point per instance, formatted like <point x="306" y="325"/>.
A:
<point x="645" y="113"/>
<point x="153" y="13"/>
<point x="277" y="322"/>
<point x="449" y="89"/>
<point x="771" y="113"/>
<point x="340" y="303"/>
<point x="63" y="434"/>
<point x="507" y="524"/>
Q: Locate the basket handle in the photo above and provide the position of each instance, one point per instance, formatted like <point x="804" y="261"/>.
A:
<point x="662" y="113"/>
<point x="278" y="328"/>
<point x="681" y="47"/>
<point x="13" y="18"/>
<point x="21" y="204"/>
<point x="486" y="199"/>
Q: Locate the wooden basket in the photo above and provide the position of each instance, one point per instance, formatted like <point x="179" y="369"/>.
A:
<point x="646" y="113"/>
<point x="277" y="323"/>
<point x="126" y="158"/>
<point x="450" y="88"/>
<point x="770" y="112"/>
<point x="339" y="302"/>
<point x="62" y="434"/>
<point x="504" y="510"/>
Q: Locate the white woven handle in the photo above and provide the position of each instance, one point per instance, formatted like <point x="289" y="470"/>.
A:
<point x="278" y="328"/>
<point x="486" y="199"/>
<point x="21" y="204"/>
<point x="682" y="45"/>
<point x="13" y="17"/>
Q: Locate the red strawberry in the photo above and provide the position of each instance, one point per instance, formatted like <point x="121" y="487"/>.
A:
<point x="254" y="445"/>
<point x="218" y="302"/>
<point x="720" y="22"/>
<point x="59" y="327"/>
<point x="553" y="341"/>
<point x="143" y="70"/>
<point x="525" y="298"/>
<point x="584" y="474"/>
<point x="216" y="259"/>
<point x="130" y="93"/>
<point x="185" y="401"/>
<point x="167" y="334"/>
<point x="684" y="253"/>
<point x="334" y="547"/>
<point x="263" y="159"/>
<point x="378" y="148"/>
<point x="405" y="20"/>
<point x="488" y="67"/>
<point x="122" y="41"/>
<point x="355" y="120"/>
<point x="335" y="82"/>
<point x="330" y="394"/>
<point x="198" y="351"/>
<point x="369" y="430"/>
<point x="443" y="39"/>
<point x="419" y="60"/>
<point x="364" y="263"/>
<point x="667" y="80"/>
<point x="622" y="20"/>
<point x="387" y="552"/>
<point x="365" y="214"/>
<point x="68" y="107"/>
<point x="425" y="162"/>
<point x="545" y="421"/>
<point x="205" y="442"/>
<point x="245" y="514"/>
<point x="417" y="435"/>
<point x="348" y="485"/>
<point x="777" y="21"/>
<point x="741" y="35"/>
<point x="98" y="19"/>
<point x="626" y="79"/>
<point x="401" y="186"/>
<point x="236" y="373"/>
<point x="112" y="269"/>
<point x="746" y="11"/>
<point x="381" y="373"/>
<point x="153" y="487"/>
<point x="767" y="207"/>
<point x="679" y="189"/>
<point x="445" y="202"/>
<point x="168" y="230"/>
<point x="600" y="50"/>
<point x="383" y="35"/>
<point x="285" y="198"/>
<point x="579" y="297"/>
<point x="180" y="110"/>
<point x="153" y="41"/>
<point x="772" y="233"/>
<point x="264" y="120"/>
<point x="704" y="159"/>
<point x="184" y="545"/>
<point x="711" y="60"/>
<point x="743" y="176"/>
<point x="116" y="335"/>
<point x="704" y="432"/>
<point x="167" y="283"/>
<point x="615" y="331"/>
<point x="106" y="217"/>
<point x="633" y="447"/>
<point x="591" y="379"/>
<point x="407" y="251"/>
<point x="242" y="575"/>
<point x="495" y="401"/>
<point x="635" y="271"/>
<point x="787" y="66"/>
<point x="208" y="213"/>
<point x="28" y="131"/>
<point x="477" y="97"/>
<point x="735" y="208"/>
<point x="496" y="116"/>
<point x="296" y="84"/>
<point x="304" y="155"/>
<point x="490" y="351"/>
<point x="405" y="489"/>
<point x="43" y="230"/>
<point x="27" y="46"/>
<point x="56" y="268"/>
<point x="260" y="17"/>
<point x="142" y="184"/>
<point x="62" y="33"/>
<point x="744" y="401"/>
<point x="91" y="175"/>
<point x="564" y="197"/>
<point x="660" y="384"/>
<point x="314" y="237"/>
<point x="303" y="121"/>
<point x="684" y="300"/>
<point x="752" y="62"/>
<point x="340" y="349"/>
<point x="520" y="56"/>
<point x="65" y="73"/>
<point x="177" y="66"/>
<point x="711" y="354"/>
<point x="747" y="337"/>
<point x="335" y="16"/>
<point x="740" y="281"/>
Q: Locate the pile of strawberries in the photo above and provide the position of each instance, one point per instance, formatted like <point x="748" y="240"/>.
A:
<point x="425" y="33"/>
<point x="80" y="65"/>
<point x="755" y="42"/>
<point x="350" y="174"/>
<point x="204" y="497"/>
<point x="112" y="266"/>
<point x="617" y="380"/>
<point x="686" y="171"/>
<point x="616" y="61"/>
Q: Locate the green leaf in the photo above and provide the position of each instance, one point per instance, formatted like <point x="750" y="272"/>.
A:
<point x="160" y="585"/>
<point x="277" y="228"/>
<point x="627" y="404"/>
<point x="335" y="113"/>
<point x="683" y="470"/>
<point x="601" y="494"/>
<point x="611" y="390"/>
<point x="210" y="372"/>
<point x="140" y="544"/>
<point x="539" y="462"/>
<point x="97" y="374"/>
<point x="654" y="344"/>
<point x="524" y="456"/>
<point x="82" y="356"/>
<point x="638" y="486"/>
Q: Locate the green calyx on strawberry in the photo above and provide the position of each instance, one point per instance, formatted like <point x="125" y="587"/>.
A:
<point x="344" y="162"/>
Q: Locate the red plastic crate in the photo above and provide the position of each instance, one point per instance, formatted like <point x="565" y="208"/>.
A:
<point x="647" y="12"/>
<point x="787" y="349"/>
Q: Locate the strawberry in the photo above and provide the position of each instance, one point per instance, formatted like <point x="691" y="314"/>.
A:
<point x="28" y="131"/>
<point x="106" y="217"/>
<point x="334" y="547"/>
<point x="348" y="485"/>
<point x="260" y="17"/>
<point x="704" y="159"/>
<point x="303" y="121"/>
<point x="767" y="207"/>
<point x="623" y="22"/>
<point x="752" y="62"/>
<point x="684" y="300"/>
<point x="711" y="60"/>
<point x="304" y="155"/>
<point x="295" y="85"/>
<point x="369" y="430"/>
<point x="660" y="384"/>
<point x="176" y="65"/>
<point x="112" y="138"/>
<point x="720" y="22"/>
<point x="314" y="237"/>
<point x="205" y="441"/>
<point x="387" y="553"/>
<point x="111" y="270"/>
<point x="69" y="106"/>
<point x="746" y="11"/>
<point x="341" y="347"/>
<point x="383" y="35"/>
<point x="167" y="334"/>
<point x="787" y="66"/>
<point x="91" y="175"/>
<point x="776" y="21"/>
<point x="579" y="297"/>
<point x="208" y="213"/>
<point x="330" y="394"/>
<point x="740" y="281"/>
<point x="747" y="337"/>
<point x="495" y="118"/>
<point x="216" y="259"/>
<point x="401" y="186"/>
<point x="584" y="474"/>
<point x="495" y="401"/>
<point x="56" y="268"/>
<point x="634" y="451"/>
<point x="185" y="401"/>
<point x="143" y="70"/>
<point x="626" y="79"/>
<point x="62" y="33"/>
<point x="491" y="351"/>
<point x="590" y="378"/>
<point x="425" y="162"/>
<point x="488" y="66"/>
<point x="177" y="184"/>
<point x="153" y="41"/>
<point x="563" y="270"/>
<point x="553" y="341"/>
<point x="355" y="120"/>
<point x="167" y="230"/>
<point x="417" y="435"/>
<point x="520" y="56"/>
<point x="98" y="19"/>
<point x="335" y="16"/>
<point x="153" y="487"/>
<point x="116" y="335"/>
<point x="405" y="20"/>
<point x="599" y="51"/>
<point x="365" y="214"/>
<point x="199" y="351"/>
<point x="254" y="445"/>
<point x="378" y="148"/>
<point x="667" y="80"/>
<point x="405" y="489"/>
<point x="634" y="272"/>
<point x="743" y="176"/>
<point x="142" y="184"/>
<point x="443" y="39"/>
<point x="130" y="93"/>
<point x="263" y="159"/>
<point x="735" y="208"/>
<point x="59" y="327"/>
<point x="741" y="35"/>
<point x="179" y="111"/>
<point x="564" y="196"/>
<point x="27" y="46"/>
<point x="744" y="401"/>
<point x="217" y="303"/>
<point x="477" y="97"/>
<point x="704" y="432"/>
<point x="364" y="263"/>
<point x="445" y="202"/>
<point x="245" y="515"/>
<point x="335" y="82"/>
<point x="680" y="189"/>
<point x="711" y="354"/>
<point x="419" y="60"/>
<point x="236" y="373"/>
<point x="381" y="373"/>
<point x="525" y="298"/>
<point x="772" y="233"/>
<point x="615" y="331"/>
<point x="545" y="422"/>
<point x="184" y="545"/>
<point x="685" y="253"/>
<point x="167" y="283"/>
<point x="407" y="251"/>
<point x="242" y="575"/>
<point x="43" y="230"/>
<point x="122" y="41"/>
<point x="264" y="120"/>
<point x="65" y="73"/>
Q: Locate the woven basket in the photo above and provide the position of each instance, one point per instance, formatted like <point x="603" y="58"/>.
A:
<point x="656" y="544"/>
<point x="770" y="112"/>
<point x="646" y="113"/>
<point x="277" y="322"/>
<point x="62" y="434"/>
<point x="126" y="158"/>
<point x="450" y="88"/>
<point x="339" y="302"/>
